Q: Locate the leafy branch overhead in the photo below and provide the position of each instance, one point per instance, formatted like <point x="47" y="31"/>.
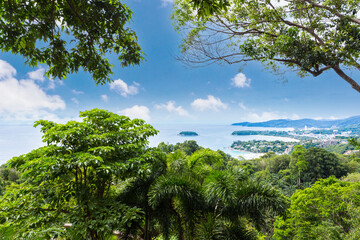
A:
<point x="306" y="36"/>
<point x="68" y="35"/>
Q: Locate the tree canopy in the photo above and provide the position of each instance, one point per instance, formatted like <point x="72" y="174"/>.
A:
<point x="73" y="178"/>
<point x="68" y="35"/>
<point x="327" y="210"/>
<point x="307" y="36"/>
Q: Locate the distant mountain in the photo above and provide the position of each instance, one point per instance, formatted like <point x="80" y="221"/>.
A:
<point x="351" y="122"/>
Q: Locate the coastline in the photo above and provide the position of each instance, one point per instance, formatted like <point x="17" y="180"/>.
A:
<point x="247" y="155"/>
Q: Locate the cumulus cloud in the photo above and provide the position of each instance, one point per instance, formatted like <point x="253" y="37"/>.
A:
<point x="52" y="84"/>
<point x="104" y="97"/>
<point x="211" y="103"/>
<point x="6" y="70"/>
<point x="37" y="75"/>
<point x="136" y="111"/>
<point x="266" y="116"/>
<point x="170" y="107"/>
<point x="327" y="118"/>
<point x="240" y="81"/>
<point x="123" y="88"/>
<point x="24" y="98"/>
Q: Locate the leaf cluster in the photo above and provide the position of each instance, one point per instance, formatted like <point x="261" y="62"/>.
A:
<point x="68" y="35"/>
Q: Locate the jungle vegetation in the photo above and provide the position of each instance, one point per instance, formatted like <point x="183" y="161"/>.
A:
<point x="100" y="176"/>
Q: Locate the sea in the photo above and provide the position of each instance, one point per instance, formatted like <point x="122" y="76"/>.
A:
<point x="20" y="139"/>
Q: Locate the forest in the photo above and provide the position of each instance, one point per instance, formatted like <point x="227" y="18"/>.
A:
<point x="98" y="179"/>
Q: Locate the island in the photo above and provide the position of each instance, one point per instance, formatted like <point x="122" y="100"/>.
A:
<point x="188" y="134"/>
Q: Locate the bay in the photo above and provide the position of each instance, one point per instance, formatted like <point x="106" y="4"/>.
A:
<point x="215" y="137"/>
<point x="20" y="139"/>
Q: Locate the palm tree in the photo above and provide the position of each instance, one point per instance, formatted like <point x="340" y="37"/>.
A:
<point x="135" y="193"/>
<point x="211" y="202"/>
<point x="234" y="200"/>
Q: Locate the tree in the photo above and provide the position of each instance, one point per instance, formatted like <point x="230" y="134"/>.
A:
<point x="300" y="163"/>
<point x="72" y="179"/>
<point x="68" y="35"/>
<point x="188" y="146"/>
<point x="307" y="36"/>
<point x="135" y="193"/>
<point x="206" y="201"/>
<point x="322" y="164"/>
<point x="327" y="210"/>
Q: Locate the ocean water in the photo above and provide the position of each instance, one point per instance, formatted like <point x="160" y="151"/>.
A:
<point x="16" y="140"/>
<point x="212" y="136"/>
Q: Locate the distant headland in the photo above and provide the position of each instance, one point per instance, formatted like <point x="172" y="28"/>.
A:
<point x="351" y="122"/>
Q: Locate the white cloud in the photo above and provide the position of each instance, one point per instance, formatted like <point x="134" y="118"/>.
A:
<point x="165" y="3"/>
<point x="25" y="95"/>
<point x="242" y="106"/>
<point x="170" y="107"/>
<point x="77" y="92"/>
<point x="24" y="98"/>
<point x="240" y="81"/>
<point x="51" y="84"/>
<point x="327" y="118"/>
<point x="37" y="75"/>
<point x="104" y="97"/>
<point x="136" y="111"/>
<point x="266" y="116"/>
<point x="75" y="101"/>
<point x="6" y="70"/>
<point x="211" y="103"/>
<point x="123" y="88"/>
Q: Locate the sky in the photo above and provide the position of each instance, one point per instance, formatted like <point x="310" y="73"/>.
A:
<point x="164" y="90"/>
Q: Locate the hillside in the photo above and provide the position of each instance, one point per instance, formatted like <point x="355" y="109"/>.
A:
<point x="351" y="122"/>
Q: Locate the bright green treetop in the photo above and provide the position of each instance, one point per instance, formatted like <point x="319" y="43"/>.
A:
<point x="72" y="179"/>
<point x="327" y="210"/>
<point x="67" y="35"/>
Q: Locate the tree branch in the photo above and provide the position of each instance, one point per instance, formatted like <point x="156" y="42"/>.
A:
<point x="348" y="79"/>
<point x="354" y="20"/>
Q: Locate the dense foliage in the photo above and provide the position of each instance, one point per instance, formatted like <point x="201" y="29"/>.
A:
<point x="327" y="210"/>
<point x="100" y="176"/>
<point x="74" y="178"/>
<point x="68" y="35"/>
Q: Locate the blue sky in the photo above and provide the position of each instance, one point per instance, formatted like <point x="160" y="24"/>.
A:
<point x="163" y="90"/>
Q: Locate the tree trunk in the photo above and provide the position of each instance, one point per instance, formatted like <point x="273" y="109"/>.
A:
<point x="348" y="79"/>
<point x="147" y="233"/>
<point x="181" y="230"/>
